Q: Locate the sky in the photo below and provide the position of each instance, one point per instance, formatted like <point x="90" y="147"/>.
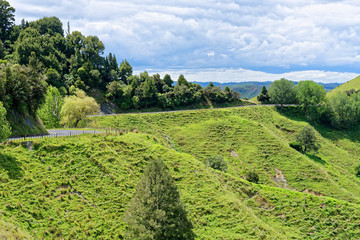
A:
<point x="222" y="41"/>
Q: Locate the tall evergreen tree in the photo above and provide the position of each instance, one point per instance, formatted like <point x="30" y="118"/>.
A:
<point x="7" y="19"/>
<point x="155" y="211"/>
<point x="264" y="95"/>
<point x="125" y="71"/>
<point x="168" y="81"/>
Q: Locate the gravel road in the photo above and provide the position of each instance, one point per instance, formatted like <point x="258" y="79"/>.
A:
<point x="58" y="133"/>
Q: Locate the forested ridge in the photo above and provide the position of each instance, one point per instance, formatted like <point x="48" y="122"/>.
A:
<point x="39" y="54"/>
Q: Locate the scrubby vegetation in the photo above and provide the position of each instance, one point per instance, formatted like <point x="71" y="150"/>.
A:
<point x="218" y="163"/>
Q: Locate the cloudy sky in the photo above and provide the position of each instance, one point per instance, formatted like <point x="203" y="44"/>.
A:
<point x="228" y="40"/>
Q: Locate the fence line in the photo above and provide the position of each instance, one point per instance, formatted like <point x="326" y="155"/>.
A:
<point x="69" y="133"/>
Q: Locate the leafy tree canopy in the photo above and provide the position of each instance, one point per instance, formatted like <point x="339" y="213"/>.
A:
<point x="310" y="95"/>
<point x="50" y="111"/>
<point x="282" y="92"/>
<point x="77" y="107"/>
<point x="344" y="109"/>
<point x="48" y="25"/>
<point x="307" y="139"/>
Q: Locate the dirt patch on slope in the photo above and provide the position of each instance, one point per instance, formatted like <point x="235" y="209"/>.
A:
<point x="280" y="180"/>
<point x="234" y="154"/>
<point x="318" y="194"/>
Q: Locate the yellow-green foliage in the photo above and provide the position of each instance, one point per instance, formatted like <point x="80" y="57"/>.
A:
<point x="79" y="187"/>
<point x="76" y="108"/>
<point x="352" y="84"/>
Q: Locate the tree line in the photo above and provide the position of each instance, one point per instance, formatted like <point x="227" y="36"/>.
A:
<point x="37" y="54"/>
<point x="341" y="110"/>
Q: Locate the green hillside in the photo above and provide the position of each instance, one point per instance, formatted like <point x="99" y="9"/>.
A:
<point x="9" y="231"/>
<point x="78" y="187"/>
<point x="352" y="84"/>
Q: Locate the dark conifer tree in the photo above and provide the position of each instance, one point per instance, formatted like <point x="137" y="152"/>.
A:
<point x="155" y="211"/>
<point x="264" y="96"/>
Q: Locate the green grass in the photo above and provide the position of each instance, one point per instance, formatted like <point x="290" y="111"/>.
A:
<point x="10" y="231"/>
<point x="260" y="137"/>
<point x="78" y="187"/>
<point x="352" y="84"/>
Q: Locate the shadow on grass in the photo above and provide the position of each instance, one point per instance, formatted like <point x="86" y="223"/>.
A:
<point x="316" y="158"/>
<point x="11" y="166"/>
<point x="327" y="131"/>
<point x="291" y="112"/>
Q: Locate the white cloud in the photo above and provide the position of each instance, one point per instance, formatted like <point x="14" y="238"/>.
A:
<point x="258" y="34"/>
<point x="244" y="75"/>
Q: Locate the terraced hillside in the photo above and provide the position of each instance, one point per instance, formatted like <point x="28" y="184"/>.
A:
<point x="78" y="187"/>
<point x="352" y="84"/>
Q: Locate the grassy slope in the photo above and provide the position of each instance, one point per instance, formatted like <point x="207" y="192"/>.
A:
<point x="10" y="231"/>
<point x="260" y="136"/>
<point x="79" y="186"/>
<point x="352" y="84"/>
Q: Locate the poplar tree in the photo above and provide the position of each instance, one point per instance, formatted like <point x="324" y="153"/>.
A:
<point x="155" y="211"/>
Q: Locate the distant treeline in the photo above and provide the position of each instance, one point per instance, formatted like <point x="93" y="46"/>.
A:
<point x="341" y="110"/>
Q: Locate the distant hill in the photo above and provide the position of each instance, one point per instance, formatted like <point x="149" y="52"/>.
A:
<point x="252" y="89"/>
<point x="352" y="84"/>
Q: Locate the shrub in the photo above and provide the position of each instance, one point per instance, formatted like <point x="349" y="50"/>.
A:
<point x="218" y="163"/>
<point x="357" y="170"/>
<point x="297" y="146"/>
<point x="252" y="177"/>
<point x="307" y="139"/>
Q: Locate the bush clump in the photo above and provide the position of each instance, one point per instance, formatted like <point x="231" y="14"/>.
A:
<point x="252" y="177"/>
<point x="357" y="170"/>
<point x="297" y="146"/>
<point x="217" y="163"/>
<point x="306" y="138"/>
